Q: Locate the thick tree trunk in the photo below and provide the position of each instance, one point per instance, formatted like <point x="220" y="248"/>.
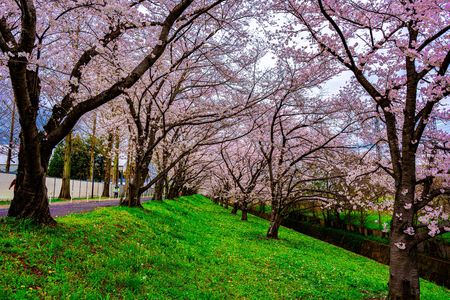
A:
<point x="30" y="192"/>
<point x="403" y="266"/>
<point x="65" y="185"/>
<point x="404" y="278"/>
<point x="30" y="200"/>
<point x="235" y="208"/>
<point x="404" y="275"/>
<point x="139" y="169"/>
<point x="133" y="198"/>
<point x="275" y="222"/>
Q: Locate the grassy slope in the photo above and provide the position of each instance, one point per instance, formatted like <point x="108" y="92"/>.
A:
<point x="180" y="249"/>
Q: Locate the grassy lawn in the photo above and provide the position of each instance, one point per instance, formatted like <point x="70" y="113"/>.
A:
<point x="188" y="248"/>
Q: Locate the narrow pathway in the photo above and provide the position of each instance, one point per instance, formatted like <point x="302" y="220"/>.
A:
<point x="59" y="209"/>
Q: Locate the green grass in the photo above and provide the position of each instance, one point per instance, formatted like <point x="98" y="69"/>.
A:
<point x="190" y="249"/>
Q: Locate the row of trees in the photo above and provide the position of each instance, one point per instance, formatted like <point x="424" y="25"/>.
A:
<point x="188" y="87"/>
<point x="382" y="145"/>
<point x="107" y="49"/>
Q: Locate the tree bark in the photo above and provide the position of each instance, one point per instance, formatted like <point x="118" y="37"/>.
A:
<point x="30" y="192"/>
<point x="404" y="278"/>
<point x="133" y="198"/>
<point x="235" y="208"/>
<point x="65" y="185"/>
<point x="244" y="214"/>
<point x="275" y="222"/>
<point x="403" y="267"/>
<point x="159" y="190"/>
<point x="404" y="274"/>
<point x="173" y="190"/>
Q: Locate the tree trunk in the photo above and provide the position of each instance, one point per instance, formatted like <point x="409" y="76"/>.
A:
<point x="159" y="190"/>
<point x="65" y="185"/>
<point x="30" y="192"/>
<point x="404" y="275"/>
<point x="403" y="266"/>
<point x="244" y="214"/>
<point x="174" y="190"/>
<point x="133" y="198"/>
<point x="30" y="200"/>
<point x="107" y="177"/>
<point x="235" y="208"/>
<point x="275" y="222"/>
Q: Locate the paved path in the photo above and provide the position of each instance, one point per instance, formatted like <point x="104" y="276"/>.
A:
<point x="59" y="209"/>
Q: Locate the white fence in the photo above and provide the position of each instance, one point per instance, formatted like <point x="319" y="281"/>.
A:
<point x="79" y="189"/>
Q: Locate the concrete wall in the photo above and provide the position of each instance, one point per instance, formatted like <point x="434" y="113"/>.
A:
<point x="5" y="181"/>
<point x="79" y="188"/>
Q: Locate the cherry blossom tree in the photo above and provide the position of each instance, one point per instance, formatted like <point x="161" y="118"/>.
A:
<point x="294" y="135"/>
<point x="246" y="168"/>
<point x="64" y="85"/>
<point x="398" y="52"/>
<point x="194" y="87"/>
